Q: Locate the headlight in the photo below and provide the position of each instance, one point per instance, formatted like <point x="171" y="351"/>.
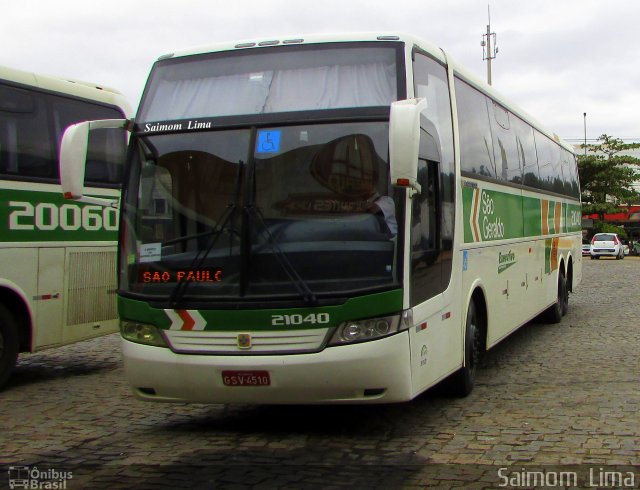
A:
<point x="142" y="333"/>
<point x="362" y="330"/>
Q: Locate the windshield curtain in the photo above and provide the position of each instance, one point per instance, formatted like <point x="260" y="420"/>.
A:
<point x="252" y="213"/>
<point x="271" y="80"/>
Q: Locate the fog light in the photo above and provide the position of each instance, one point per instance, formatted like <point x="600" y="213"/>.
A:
<point x="142" y="333"/>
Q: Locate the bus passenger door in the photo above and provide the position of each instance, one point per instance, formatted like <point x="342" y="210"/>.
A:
<point x="49" y="299"/>
<point x="435" y="340"/>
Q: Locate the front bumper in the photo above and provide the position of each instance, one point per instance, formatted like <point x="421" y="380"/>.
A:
<point x="369" y="372"/>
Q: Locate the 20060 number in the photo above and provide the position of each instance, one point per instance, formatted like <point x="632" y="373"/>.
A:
<point x="47" y="216"/>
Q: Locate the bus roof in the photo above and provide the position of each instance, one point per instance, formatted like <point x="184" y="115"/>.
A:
<point x="409" y="40"/>
<point x="306" y="39"/>
<point x="66" y="86"/>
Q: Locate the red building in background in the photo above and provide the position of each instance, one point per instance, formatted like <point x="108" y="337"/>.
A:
<point x="627" y="217"/>
<point x="626" y="214"/>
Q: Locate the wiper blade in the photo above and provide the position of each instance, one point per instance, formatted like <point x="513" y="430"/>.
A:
<point x="303" y="288"/>
<point x="181" y="288"/>
<point x="182" y="285"/>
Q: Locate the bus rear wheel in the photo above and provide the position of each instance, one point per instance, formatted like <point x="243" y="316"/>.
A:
<point x="557" y="310"/>
<point x="463" y="381"/>
<point x="8" y="344"/>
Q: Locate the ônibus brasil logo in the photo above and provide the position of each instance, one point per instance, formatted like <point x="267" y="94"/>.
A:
<point x="32" y="477"/>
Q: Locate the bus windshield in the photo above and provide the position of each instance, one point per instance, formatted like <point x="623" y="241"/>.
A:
<point x="282" y="79"/>
<point x="286" y="211"/>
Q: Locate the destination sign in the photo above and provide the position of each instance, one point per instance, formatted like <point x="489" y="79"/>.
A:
<point x="149" y="276"/>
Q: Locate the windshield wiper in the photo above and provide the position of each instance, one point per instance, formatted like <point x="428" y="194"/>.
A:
<point x="229" y="211"/>
<point x="303" y="288"/>
<point x="250" y="209"/>
<point x="182" y="285"/>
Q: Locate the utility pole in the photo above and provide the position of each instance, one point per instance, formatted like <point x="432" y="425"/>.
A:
<point x="489" y="48"/>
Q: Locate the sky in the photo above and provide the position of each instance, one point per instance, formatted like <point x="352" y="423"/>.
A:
<point x="557" y="59"/>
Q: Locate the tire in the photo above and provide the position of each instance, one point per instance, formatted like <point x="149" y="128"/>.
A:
<point x="463" y="381"/>
<point x="556" y="311"/>
<point x="565" y="296"/>
<point x="9" y="344"/>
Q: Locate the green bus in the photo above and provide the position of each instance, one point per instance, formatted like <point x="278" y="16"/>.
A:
<point x="57" y="258"/>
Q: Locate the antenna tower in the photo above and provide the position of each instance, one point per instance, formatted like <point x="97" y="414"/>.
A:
<point x="489" y="46"/>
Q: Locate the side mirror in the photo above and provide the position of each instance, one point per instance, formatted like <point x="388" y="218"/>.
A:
<point x="404" y="141"/>
<point x="73" y="158"/>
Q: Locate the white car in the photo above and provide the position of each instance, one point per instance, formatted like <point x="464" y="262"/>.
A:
<point x="607" y="245"/>
<point x="586" y="248"/>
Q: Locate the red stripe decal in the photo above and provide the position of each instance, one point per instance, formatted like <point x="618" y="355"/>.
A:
<point x="188" y="321"/>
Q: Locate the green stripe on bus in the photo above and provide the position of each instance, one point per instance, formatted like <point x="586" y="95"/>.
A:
<point x="490" y="215"/>
<point x="369" y="306"/>
<point x="532" y="216"/>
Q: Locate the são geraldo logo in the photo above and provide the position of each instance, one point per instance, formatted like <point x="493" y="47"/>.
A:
<point x="485" y="223"/>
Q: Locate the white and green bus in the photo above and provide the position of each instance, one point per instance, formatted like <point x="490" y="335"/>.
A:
<point x="57" y="258"/>
<point x="331" y="219"/>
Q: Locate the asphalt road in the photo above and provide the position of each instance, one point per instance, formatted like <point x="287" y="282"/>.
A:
<point x="554" y="404"/>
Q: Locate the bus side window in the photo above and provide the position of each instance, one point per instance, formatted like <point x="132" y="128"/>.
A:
<point x="505" y="148"/>
<point x="526" y="146"/>
<point x="26" y="148"/>
<point x="424" y="230"/>
<point x="107" y="147"/>
<point x="425" y="226"/>
<point x="476" y="142"/>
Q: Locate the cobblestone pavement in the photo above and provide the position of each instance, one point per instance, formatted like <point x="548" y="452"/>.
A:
<point x="562" y="400"/>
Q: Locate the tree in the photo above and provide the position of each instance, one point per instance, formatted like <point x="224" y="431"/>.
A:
<point x="606" y="177"/>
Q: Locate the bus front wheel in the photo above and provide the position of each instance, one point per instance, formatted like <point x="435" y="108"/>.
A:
<point x="8" y="344"/>
<point x="463" y="381"/>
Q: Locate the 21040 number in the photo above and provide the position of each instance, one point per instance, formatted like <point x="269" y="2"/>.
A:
<point x="46" y="216"/>
<point x="295" y="319"/>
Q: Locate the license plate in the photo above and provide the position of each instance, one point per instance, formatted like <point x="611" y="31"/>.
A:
<point x="246" y="378"/>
